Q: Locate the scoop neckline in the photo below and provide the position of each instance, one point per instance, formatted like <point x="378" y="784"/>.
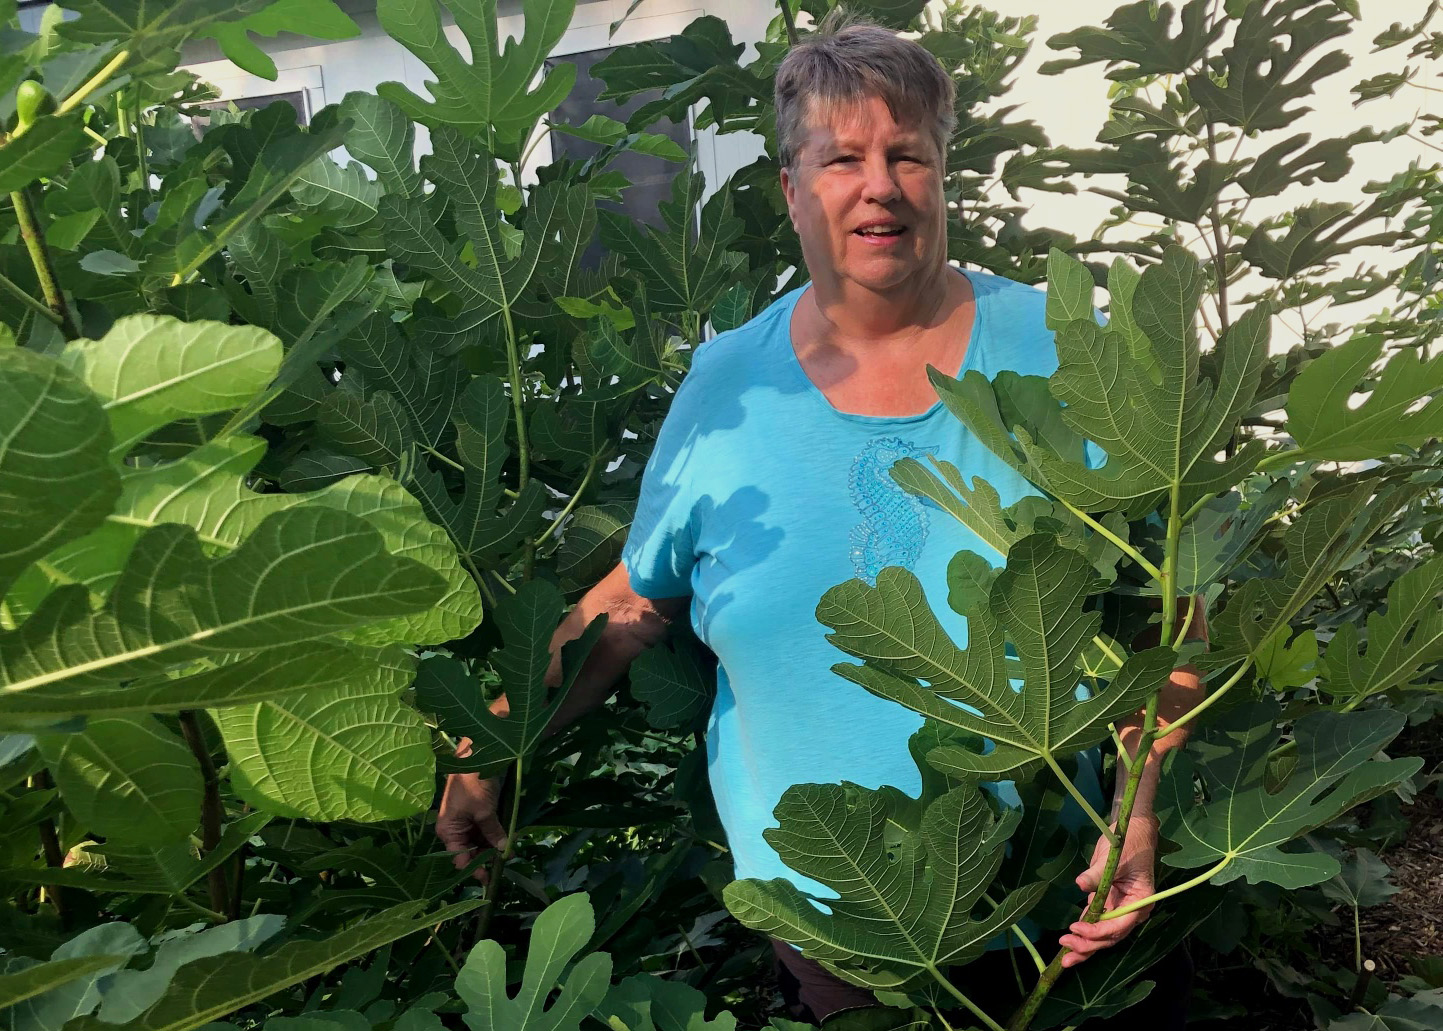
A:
<point x="968" y="361"/>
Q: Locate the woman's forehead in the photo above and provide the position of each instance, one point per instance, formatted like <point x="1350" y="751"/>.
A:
<point x="859" y="121"/>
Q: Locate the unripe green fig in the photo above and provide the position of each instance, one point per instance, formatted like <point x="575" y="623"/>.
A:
<point x="31" y="101"/>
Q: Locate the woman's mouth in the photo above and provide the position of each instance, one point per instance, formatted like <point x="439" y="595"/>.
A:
<point x="882" y="234"/>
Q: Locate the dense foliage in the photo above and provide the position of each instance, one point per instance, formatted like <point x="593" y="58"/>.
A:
<point x="302" y="460"/>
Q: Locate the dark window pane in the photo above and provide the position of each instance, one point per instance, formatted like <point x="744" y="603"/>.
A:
<point x="650" y="176"/>
<point x="297" y="100"/>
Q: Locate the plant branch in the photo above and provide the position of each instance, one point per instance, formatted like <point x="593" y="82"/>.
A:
<point x="34" y="237"/>
<point x="210" y="810"/>
<point x="571" y="504"/>
<point x="971" y="1006"/>
<point x="23" y="296"/>
<point x="1127" y="548"/>
<point x="498" y="865"/>
<point x="1176" y="889"/>
<point x="789" y="20"/>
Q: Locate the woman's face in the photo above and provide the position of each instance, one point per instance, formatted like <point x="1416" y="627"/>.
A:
<point x="866" y="199"/>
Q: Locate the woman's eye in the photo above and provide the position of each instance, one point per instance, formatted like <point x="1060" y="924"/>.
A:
<point x="841" y="159"/>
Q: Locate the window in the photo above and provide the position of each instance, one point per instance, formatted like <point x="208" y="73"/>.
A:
<point x="650" y="176"/>
<point x="296" y="99"/>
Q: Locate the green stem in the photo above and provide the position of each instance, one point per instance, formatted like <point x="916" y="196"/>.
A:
<point x="1135" y="765"/>
<point x="1107" y="650"/>
<point x="34" y="237"/>
<point x="1078" y="797"/>
<point x="1127" y="549"/>
<point x="1284" y="456"/>
<point x="971" y="1006"/>
<point x="789" y="20"/>
<point x="575" y="497"/>
<point x="23" y="296"/>
<point x="503" y="582"/>
<point x="210" y="809"/>
<point x="92" y="84"/>
<point x="1211" y="699"/>
<point x="442" y="458"/>
<point x="493" y="885"/>
<point x="1176" y="889"/>
<point x="1026" y="941"/>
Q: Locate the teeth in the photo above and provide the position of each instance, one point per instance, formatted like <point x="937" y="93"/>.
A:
<point x="880" y="231"/>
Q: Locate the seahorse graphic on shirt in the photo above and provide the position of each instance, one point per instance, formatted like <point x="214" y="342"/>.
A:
<point x="894" y="523"/>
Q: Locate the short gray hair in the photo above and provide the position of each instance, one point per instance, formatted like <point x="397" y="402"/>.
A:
<point x="850" y="60"/>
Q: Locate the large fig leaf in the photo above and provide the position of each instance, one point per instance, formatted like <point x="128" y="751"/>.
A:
<point x="687" y="265"/>
<point x="979" y="508"/>
<point x="481" y="533"/>
<point x="207" y="490"/>
<point x="56" y="479"/>
<point x="127" y="778"/>
<point x="1252" y="809"/>
<point x="559" y="933"/>
<point x="383" y="138"/>
<point x="150" y="370"/>
<point x="493" y="89"/>
<point x="645" y="1002"/>
<point x="424" y="383"/>
<point x="172" y="605"/>
<point x="1134" y="388"/>
<point x="150" y="31"/>
<point x="1404" y="637"/>
<point x="208" y="989"/>
<point x="1036" y="604"/>
<point x="320" y="19"/>
<point x="42" y="151"/>
<point x="1260" y="75"/>
<point x="1327" y="428"/>
<point x="350" y="752"/>
<point x="1138" y="41"/>
<point x="19" y="982"/>
<point x="1319" y="543"/>
<point x="907" y="881"/>
<point x="526" y="622"/>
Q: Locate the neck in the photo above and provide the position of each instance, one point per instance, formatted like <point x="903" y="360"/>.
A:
<point x="855" y="312"/>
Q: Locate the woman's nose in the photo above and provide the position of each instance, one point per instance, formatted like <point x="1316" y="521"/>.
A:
<point x="880" y="181"/>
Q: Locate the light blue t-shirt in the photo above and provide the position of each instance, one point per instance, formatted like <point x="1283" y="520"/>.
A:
<point x="758" y="498"/>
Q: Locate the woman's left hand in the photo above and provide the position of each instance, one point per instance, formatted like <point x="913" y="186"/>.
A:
<point x="1133" y="882"/>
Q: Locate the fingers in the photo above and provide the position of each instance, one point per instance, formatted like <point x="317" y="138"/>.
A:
<point x="1089" y="879"/>
<point x="1085" y="939"/>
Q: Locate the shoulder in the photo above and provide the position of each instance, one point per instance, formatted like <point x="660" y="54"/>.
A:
<point x="733" y="359"/>
<point x="1014" y="331"/>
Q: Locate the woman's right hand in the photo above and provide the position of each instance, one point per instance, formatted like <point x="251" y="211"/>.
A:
<point x="466" y="822"/>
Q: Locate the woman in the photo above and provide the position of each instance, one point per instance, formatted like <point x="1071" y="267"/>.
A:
<point x="769" y="482"/>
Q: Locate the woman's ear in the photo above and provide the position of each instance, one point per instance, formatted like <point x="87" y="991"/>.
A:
<point x="789" y="187"/>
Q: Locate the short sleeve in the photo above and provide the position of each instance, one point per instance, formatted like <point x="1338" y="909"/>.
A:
<point x="660" y="550"/>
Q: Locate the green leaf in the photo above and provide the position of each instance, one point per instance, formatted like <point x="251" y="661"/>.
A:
<point x="979" y="508"/>
<point x="1221" y="536"/>
<point x="907" y="881"/>
<point x="56" y="480"/>
<point x="1160" y="422"/>
<point x="1036" y="604"/>
<point x="1404" y="638"/>
<point x="1260" y="75"/>
<point x="18" y="985"/>
<point x="559" y="933"/>
<point x="492" y="90"/>
<point x="210" y="988"/>
<point x="208" y="490"/>
<point x="1319" y="543"/>
<point x="371" y="430"/>
<point x="342" y="195"/>
<point x="645" y="1002"/>
<point x="686" y="266"/>
<point x="1424" y="1013"/>
<point x="312" y="666"/>
<point x="1326" y="160"/>
<point x="383" y="138"/>
<point x="151" y="370"/>
<point x="319" y="19"/>
<point x="1363" y="881"/>
<point x="1069" y="291"/>
<point x="172" y="605"/>
<point x="114" y="942"/>
<point x="1247" y="818"/>
<point x="1312" y="235"/>
<point x="526" y="622"/>
<point x="423" y="382"/>
<point x="1328" y="428"/>
<point x="1138" y="41"/>
<point x="674" y="682"/>
<point x="1287" y="662"/>
<point x="591" y="544"/>
<point x="126" y="777"/>
<point x="151" y="30"/>
<point x="42" y="151"/>
<point x="351" y="752"/>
